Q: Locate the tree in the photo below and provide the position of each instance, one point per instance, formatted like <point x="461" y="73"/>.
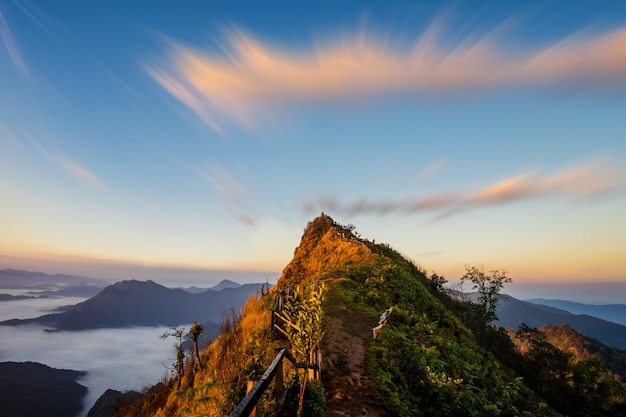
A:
<point x="194" y="332"/>
<point x="179" y="364"/>
<point x="438" y="280"/>
<point x="488" y="287"/>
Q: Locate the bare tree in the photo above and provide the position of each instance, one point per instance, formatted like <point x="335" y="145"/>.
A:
<point x="179" y="364"/>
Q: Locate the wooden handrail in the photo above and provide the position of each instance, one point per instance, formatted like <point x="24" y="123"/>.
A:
<point x="249" y="402"/>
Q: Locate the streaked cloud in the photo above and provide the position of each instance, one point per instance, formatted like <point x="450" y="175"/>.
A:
<point x="37" y="145"/>
<point x="6" y="133"/>
<point x="78" y="171"/>
<point x="39" y="17"/>
<point x="432" y="170"/>
<point x="11" y="47"/>
<point x="250" y="77"/>
<point x="223" y="180"/>
<point x="243" y="218"/>
<point x="227" y="184"/>
<point x="588" y="180"/>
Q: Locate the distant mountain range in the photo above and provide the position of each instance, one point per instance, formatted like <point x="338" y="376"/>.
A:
<point x="611" y="312"/>
<point x="13" y="278"/>
<point x="220" y="286"/>
<point x="146" y="303"/>
<point x="513" y="312"/>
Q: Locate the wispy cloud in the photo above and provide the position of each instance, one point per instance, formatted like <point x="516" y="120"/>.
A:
<point x="432" y="170"/>
<point x="226" y="184"/>
<point x="78" y="171"/>
<point x="11" y="47"/>
<point x="223" y="180"/>
<point x="6" y="133"/>
<point x="592" y="179"/>
<point x="240" y="85"/>
<point x="39" y="17"/>
<point x="39" y="147"/>
<point x="118" y="80"/>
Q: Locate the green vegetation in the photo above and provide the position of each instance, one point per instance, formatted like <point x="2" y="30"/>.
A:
<point x="426" y="362"/>
<point x="439" y="354"/>
<point x="584" y="379"/>
<point x="488" y="287"/>
<point x="303" y="327"/>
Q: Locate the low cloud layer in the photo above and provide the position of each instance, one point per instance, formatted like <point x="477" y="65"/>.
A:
<point x="122" y="359"/>
<point x="585" y="181"/>
<point x="252" y="78"/>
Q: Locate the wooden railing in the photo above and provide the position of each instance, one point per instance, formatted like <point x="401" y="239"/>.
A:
<point x="382" y="322"/>
<point x="275" y="371"/>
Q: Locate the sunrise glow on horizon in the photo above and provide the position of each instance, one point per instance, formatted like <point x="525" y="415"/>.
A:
<point x="206" y="136"/>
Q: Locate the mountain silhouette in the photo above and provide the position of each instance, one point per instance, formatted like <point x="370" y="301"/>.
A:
<point x="145" y="303"/>
<point x="15" y="278"/>
<point x="611" y="312"/>
<point x="513" y="312"/>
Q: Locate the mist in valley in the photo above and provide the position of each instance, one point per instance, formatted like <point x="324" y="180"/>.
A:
<point x="122" y="359"/>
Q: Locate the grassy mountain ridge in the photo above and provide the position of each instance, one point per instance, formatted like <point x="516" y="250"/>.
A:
<point x="434" y="358"/>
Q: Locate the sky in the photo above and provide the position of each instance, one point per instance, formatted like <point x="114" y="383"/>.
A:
<point x="172" y="139"/>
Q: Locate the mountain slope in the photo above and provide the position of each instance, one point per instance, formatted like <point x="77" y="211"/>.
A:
<point x="30" y="389"/>
<point x="145" y="303"/>
<point x="425" y="362"/>
<point x="610" y="312"/>
<point x="513" y="312"/>
<point x="583" y="347"/>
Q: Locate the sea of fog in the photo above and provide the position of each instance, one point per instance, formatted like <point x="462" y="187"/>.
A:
<point x="121" y="359"/>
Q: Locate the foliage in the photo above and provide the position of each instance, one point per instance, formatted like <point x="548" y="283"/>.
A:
<point x="557" y="374"/>
<point x="438" y="281"/>
<point x="425" y="362"/>
<point x="437" y="356"/>
<point x="303" y="327"/>
<point x="314" y="399"/>
<point x="488" y="287"/>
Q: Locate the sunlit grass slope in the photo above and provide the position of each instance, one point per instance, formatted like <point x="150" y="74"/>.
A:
<point x="426" y="362"/>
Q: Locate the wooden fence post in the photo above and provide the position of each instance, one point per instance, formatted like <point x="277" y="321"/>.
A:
<point x="279" y="387"/>
<point x="249" y="387"/>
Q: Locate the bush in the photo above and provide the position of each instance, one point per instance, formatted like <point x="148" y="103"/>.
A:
<point x="314" y="400"/>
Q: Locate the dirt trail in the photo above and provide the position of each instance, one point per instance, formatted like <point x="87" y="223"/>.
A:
<point x="350" y="392"/>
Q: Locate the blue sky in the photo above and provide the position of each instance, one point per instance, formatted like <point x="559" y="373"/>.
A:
<point x="138" y="137"/>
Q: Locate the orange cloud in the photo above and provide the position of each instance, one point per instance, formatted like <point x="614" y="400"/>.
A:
<point x="250" y="77"/>
<point x="587" y="180"/>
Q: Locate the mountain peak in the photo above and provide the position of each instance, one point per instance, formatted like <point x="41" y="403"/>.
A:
<point x="225" y="283"/>
<point x="135" y="285"/>
<point x="325" y="243"/>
